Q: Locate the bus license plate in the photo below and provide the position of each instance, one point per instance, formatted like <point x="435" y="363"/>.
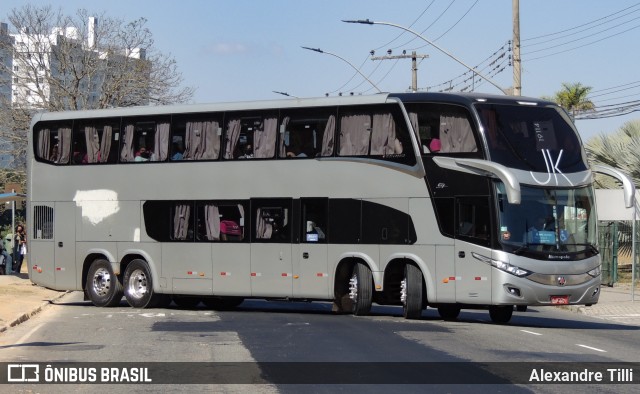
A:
<point x="560" y="300"/>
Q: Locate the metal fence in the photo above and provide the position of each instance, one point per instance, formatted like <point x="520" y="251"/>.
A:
<point x="615" y="244"/>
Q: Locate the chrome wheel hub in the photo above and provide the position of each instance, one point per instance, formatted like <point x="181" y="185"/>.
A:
<point x="137" y="286"/>
<point x="101" y="282"/>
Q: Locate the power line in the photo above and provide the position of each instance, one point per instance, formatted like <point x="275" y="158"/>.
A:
<point x="411" y="25"/>
<point x="448" y="30"/>
<point x="428" y="27"/>
<point x="582" y="38"/>
<point x="584" y="45"/>
<point x="579" y="26"/>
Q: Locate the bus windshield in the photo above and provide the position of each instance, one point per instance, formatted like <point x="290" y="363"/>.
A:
<point x="531" y="138"/>
<point x="547" y="221"/>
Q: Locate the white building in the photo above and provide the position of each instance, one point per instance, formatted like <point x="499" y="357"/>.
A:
<point x="38" y="76"/>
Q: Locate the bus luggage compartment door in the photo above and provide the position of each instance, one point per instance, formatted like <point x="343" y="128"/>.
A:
<point x="65" y="245"/>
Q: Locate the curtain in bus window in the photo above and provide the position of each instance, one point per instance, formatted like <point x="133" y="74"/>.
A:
<point x="161" y="142"/>
<point x="355" y="132"/>
<point x="212" y="222"/>
<point x="202" y="141"/>
<point x="383" y="135"/>
<point x="264" y="230"/>
<point x="241" y="210"/>
<point x="282" y="152"/>
<point x="105" y="144"/>
<point x="456" y="134"/>
<point x="93" y="144"/>
<point x="413" y="118"/>
<point x="127" y="144"/>
<point x="328" y="137"/>
<point x="491" y="127"/>
<point x="181" y="221"/>
<point x="64" y="138"/>
<point x="264" y="141"/>
<point x="232" y="136"/>
<point x="44" y="142"/>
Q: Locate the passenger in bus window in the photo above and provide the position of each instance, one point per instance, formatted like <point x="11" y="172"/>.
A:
<point x="247" y="152"/>
<point x="142" y="155"/>
<point x="54" y="154"/>
<point x="177" y="150"/>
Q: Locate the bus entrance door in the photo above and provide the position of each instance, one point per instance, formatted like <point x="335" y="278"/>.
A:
<point x="64" y="249"/>
<point x="473" y="272"/>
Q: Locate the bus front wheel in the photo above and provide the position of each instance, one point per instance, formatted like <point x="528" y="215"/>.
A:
<point x="411" y="292"/>
<point x="138" y="286"/>
<point x="103" y="287"/>
<point x="360" y="289"/>
<point x="501" y="314"/>
<point x="449" y="312"/>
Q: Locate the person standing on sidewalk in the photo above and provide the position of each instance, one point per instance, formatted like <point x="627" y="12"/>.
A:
<point x="19" y="248"/>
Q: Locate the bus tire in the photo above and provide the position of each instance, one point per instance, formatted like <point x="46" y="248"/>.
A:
<point x="360" y="289"/>
<point x="186" y="302"/>
<point x="501" y="314"/>
<point x="103" y="287"/>
<point x="138" y="286"/>
<point x="449" y="312"/>
<point x="222" y="303"/>
<point x="411" y="295"/>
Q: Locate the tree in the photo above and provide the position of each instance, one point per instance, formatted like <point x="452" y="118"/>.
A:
<point x="618" y="150"/>
<point x="573" y="98"/>
<point x="63" y="62"/>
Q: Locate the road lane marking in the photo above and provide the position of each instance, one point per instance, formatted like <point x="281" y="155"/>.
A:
<point x="592" y="348"/>
<point x="531" y="332"/>
<point x="27" y="335"/>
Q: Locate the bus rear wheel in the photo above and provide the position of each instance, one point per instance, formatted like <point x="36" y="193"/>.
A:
<point x="138" y="286"/>
<point x="103" y="287"/>
<point x="501" y="314"/>
<point x="411" y="292"/>
<point x="360" y="289"/>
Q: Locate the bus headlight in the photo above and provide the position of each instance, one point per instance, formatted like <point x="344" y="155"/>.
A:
<point x="594" y="272"/>
<point x="501" y="265"/>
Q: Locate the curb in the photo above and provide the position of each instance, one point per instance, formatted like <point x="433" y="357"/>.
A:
<point x="28" y="315"/>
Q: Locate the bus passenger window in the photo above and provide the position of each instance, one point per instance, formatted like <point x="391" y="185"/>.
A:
<point x="314" y="220"/>
<point x="53" y="143"/>
<point x="145" y="141"/>
<point x="307" y="133"/>
<point x="195" y="138"/>
<point x="220" y="222"/>
<point x="272" y="221"/>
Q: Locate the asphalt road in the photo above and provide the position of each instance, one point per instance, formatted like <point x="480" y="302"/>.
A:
<point x="299" y="333"/>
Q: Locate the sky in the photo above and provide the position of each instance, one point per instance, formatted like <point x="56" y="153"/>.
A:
<point x="242" y="50"/>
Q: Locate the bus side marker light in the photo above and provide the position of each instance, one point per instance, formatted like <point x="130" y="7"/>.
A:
<point x="285" y="274"/>
<point x="225" y="274"/>
<point x="256" y="274"/>
<point x="295" y="277"/>
<point x="445" y="280"/>
<point x="480" y="278"/>
<point x="378" y="287"/>
<point x="200" y="273"/>
<point x="322" y="275"/>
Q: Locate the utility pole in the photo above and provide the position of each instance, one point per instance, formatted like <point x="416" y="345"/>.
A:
<point x="517" y="73"/>
<point x="414" y="65"/>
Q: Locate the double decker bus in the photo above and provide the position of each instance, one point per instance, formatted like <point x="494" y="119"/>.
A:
<point x="419" y="200"/>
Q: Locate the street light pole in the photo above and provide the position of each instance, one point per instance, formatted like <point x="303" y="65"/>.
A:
<point x="346" y="61"/>
<point x="370" y="22"/>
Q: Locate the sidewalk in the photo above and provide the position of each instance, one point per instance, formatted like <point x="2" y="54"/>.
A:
<point x="21" y="300"/>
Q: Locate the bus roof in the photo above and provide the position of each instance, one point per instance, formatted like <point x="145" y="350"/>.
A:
<point x="459" y="98"/>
